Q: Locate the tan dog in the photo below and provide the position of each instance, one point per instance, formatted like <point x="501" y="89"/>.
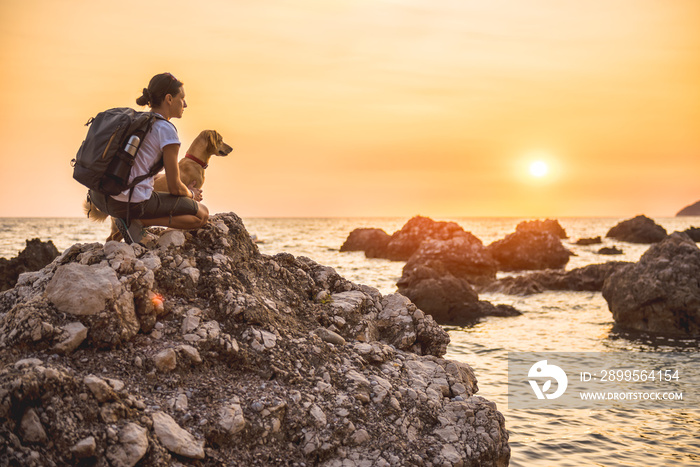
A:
<point x="208" y="143"/>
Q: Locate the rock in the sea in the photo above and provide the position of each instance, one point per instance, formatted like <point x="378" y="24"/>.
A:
<point x="35" y="256"/>
<point x="610" y="250"/>
<point x="639" y="229"/>
<point x="588" y="278"/>
<point x="529" y="250"/>
<point x="551" y="226"/>
<point x="589" y="241"/>
<point x="448" y="299"/>
<point x="464" y="257"/>
<point x="406" y="241"/>
<point x="372" y="241"/>
<point x="693" y="233"/>
<point x="691" y="210"/>
<point x="660" y="293"/>
<point x="248" y="354"/>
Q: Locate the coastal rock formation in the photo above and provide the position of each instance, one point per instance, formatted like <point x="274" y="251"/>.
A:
<point x="528" y="250"/>
<point x="448" y="299"/>
<point x="693" y="233"/>
<point x="588" y="278"/>
<point x="660" y="293"/>
<point x="199" y="350"/>
<point x="35" y="255"/>
<point x="639" y="229"/>
<point x="551" y="226"/>
<point x="691" y="210"/>
<point x="589" y="241"/>
<point x="372" y="241"/>
<point x="406" y="241"/>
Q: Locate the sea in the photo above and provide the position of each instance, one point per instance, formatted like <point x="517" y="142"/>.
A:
<point x="612" y="434"/>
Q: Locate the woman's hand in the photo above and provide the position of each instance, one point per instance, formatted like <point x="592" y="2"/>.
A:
<point x="196" y="192"/>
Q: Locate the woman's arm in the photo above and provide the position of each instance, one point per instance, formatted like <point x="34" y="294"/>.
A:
<point x="172" y="172"/>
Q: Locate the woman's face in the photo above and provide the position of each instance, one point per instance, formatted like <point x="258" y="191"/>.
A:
<point x="178" y="104"/>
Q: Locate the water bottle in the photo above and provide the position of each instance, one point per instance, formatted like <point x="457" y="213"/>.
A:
<point x="132" y="145"/>
<point x="117" y="174"/>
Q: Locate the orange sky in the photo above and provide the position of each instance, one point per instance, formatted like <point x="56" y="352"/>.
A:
<point x="372" y="107"/>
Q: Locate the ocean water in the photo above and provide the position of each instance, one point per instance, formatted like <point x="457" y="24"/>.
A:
<point x="612" y="435"/>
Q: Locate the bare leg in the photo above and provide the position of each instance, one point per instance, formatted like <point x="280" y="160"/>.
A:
<point x="184" y="222"/>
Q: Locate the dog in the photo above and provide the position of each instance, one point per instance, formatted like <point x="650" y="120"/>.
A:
<point x="208" y="143"/>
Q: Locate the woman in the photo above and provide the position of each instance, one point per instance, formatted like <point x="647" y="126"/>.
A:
<point x="179" y="208"/>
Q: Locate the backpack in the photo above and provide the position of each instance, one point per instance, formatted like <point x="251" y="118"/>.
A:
<point x="103" y="162"/>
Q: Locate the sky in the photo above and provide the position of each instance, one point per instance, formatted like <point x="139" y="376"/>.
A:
<point x="345" y="108"/>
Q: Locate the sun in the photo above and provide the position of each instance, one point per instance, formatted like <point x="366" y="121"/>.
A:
<point x="539" y="169"/>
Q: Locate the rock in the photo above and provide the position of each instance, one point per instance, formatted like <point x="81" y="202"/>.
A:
<point x="690" y="210"/>
<point x="528" y="250"/>
<point x="99" y="388"/>
<point x="330" y="336"/>
<point x="84" y="448"/>
<point x="132" y="446"/>
<point x="171" y="238"/>
<point x="372" y="241"/>
<point x="31" y="429"/>
<point x="75" y="335"/>
<point x="463" y="257"/>
<point x="82" y="290"/>
<point x="551" y="226"/>
<point x="406" y="241"/>
<point x="610" y="251"/>
<point x="266" y="380"/>
<point x="174" y="438"/>
<point x="231" y="419"/>
<point x="448" y="299"/>
<point x="640" y="229"/>
<point x="35" y="256"/>
<point x="589" y="278"/>
<point x="165" y="360"/>
<point x="660" y="293"/>
<point x="693" y="233"/>
<point x="589" y="241"/>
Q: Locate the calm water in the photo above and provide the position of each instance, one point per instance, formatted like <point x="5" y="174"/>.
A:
<point x="552" y="321"/>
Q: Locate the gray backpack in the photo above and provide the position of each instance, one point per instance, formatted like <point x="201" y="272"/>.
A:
<point x="105" y="158"/>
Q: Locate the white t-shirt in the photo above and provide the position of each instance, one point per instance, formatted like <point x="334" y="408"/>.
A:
<point x="162" y="134"/>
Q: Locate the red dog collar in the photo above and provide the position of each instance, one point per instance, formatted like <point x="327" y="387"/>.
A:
<point x="190" y="156"/>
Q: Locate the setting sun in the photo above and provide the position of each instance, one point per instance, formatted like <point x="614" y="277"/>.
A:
<point x="539" y="169"/>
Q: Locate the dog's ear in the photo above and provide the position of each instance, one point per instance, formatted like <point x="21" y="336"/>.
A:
<point x="213" y="139"/>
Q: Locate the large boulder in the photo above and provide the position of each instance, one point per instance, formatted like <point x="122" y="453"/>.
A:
<point x="35" y="256"/>
<point x="448" y="299"/>
<point x="372" y="241"/>
<point x="660" y="293"/>
<point x="203" y="350"/>
<point x="529" y="250"/>
<point x="406" y="241"/>
<point x="551" y="226"/>
<point x="464" y="257"/>
<point x="639" y="229"/>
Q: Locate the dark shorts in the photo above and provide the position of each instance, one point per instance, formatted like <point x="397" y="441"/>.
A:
<point x="158" y="205"/>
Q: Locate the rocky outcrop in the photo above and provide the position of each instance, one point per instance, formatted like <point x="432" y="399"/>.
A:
<point x="35" y="255"/>
<point x="639" y="229"/>
<point x="691" y="210"/>
<point x="529" y="250"/>
<point x="693" y="233"/>
<point x="199" y="349"/>
<point x="660" y="293"/>
<point x="610" y="250"/>
<point x="403" y="243"/>
<point x="551" y="226"/>
<point x="585" y="279"/>
<point x="372" y="241"/>
<point x="448" y="299"/>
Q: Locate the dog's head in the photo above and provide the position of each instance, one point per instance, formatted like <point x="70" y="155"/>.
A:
<point x="215" y="144"/>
